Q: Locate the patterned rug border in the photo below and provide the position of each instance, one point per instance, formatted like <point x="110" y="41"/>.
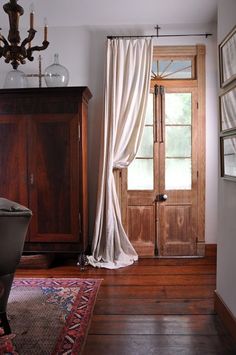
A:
<point x="53" y="281"/>
<point x="73" y="334"/>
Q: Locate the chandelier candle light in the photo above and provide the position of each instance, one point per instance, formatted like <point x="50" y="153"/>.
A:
<point x="14" y="52"/>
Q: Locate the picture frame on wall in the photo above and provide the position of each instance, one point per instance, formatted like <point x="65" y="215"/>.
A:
<point x="228" y="156"/>
<point x="228" y="110"/>
<point x="227" y="58"/>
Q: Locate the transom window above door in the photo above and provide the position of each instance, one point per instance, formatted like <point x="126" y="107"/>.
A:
<point x="173" y="69"/>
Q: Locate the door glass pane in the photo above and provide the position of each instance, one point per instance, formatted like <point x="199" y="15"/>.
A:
<point x="140" y="175"/>
<point x="146" y="146"/>
<point x="178" y="174"/>
<point x="140" y="171"/>
<point x="178" y="141"/>
<point x="178" y="108"/>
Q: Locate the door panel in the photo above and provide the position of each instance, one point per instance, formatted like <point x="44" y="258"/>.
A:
<point x="175" y="230"/>
<point x="141" y="229"/>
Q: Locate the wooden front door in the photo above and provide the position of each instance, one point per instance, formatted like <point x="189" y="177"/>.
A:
<point x="162" y="193"/>
<point x="162" y="182"/>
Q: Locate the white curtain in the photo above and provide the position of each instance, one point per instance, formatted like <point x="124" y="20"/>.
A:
<point x="127" y="86"/>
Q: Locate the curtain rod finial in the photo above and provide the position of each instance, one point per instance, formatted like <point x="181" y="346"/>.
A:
<point x="157" y="28"/>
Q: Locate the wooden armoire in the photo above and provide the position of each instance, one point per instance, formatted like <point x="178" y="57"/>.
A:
<point x="43" y="163"/>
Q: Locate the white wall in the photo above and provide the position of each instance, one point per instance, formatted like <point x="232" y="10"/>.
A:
<point x="72" y="45"/>
<point x="226" y="259"/>
<point x="82" y="51"/>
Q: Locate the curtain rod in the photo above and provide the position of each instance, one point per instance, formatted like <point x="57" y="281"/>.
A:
<point x="157" y="36"/>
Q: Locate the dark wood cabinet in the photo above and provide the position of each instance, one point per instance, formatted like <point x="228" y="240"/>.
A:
<point x="43" y="163"/>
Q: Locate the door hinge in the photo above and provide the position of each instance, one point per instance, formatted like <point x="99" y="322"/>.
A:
<point x="197" y="174"/>
<point x="197" y="105"/>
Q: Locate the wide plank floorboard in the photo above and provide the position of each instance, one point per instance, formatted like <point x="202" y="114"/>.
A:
<point x="158" y="292"/>
<point x="150" y="306"/>
<point x="156" y="306"/>
<point x="156" y="324"/>
<point x="159" y="345"/>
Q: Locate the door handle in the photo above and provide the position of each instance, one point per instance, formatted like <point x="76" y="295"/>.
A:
<point x="161" y="198"/>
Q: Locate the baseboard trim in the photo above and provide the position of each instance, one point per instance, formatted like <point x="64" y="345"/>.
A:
<point x="225" y="315"/>
<point x="36" y="261"/>
<point x="210" y="249"/>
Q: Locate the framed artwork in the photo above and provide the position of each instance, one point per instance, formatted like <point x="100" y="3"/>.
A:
<point x="227" y="57"/>
<point x="228" y="110"/>
<point x="228" y="156"/>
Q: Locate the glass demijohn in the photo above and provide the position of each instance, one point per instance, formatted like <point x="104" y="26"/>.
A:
<point x="56" y="74"/>
<point x="15" y="79"/>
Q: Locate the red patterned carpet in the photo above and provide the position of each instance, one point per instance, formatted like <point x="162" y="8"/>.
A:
<point x="49" y="316"/>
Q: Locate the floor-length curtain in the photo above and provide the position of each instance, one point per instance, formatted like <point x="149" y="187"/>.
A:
<point x="128" y="71"/>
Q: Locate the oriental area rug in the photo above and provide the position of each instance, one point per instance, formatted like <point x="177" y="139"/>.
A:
<point x="49" y="316"/>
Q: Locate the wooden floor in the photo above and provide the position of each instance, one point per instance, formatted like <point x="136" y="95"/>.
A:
<point x="157" y="306"/>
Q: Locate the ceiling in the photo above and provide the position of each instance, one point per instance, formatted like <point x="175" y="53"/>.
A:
<point x="116" y="12"/>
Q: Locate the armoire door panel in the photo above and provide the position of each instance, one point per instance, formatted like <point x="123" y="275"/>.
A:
<point x="53" y="171"/>
<point x="13" y="165"/>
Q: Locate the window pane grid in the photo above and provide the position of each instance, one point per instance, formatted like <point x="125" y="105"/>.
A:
<point x="178" y="141"/>
<point x="178" y="125"/>
<point x="141" y="170"/>
<point x="146" y="158"/>
<point x="185" y="157"/>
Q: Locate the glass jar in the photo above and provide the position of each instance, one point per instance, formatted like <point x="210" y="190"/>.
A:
<point x="56" y="74"/>
<point x="15" y="79"/>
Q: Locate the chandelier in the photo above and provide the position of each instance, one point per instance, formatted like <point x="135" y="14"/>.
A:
<point x="11" y="49"/>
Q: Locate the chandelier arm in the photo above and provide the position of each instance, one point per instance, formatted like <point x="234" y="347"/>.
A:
<point x="6" y="53"/>
<point x="30" y="37"/>
<point x="36" y="48"/>
<point x="4" y="40"/>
